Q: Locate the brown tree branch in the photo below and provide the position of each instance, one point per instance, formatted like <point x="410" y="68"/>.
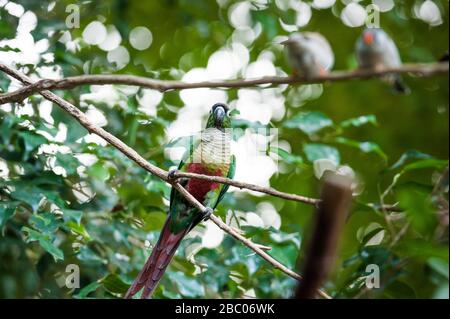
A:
<point x="253" y="187"/>
<point x="429" y="69"/>
<point x="329" y="220"/>
<point x="28" y="89"/>
<point x="162" y="174"/>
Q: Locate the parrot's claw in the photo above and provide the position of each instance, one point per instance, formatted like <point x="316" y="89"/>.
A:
<point x="207" y="213"/>
<point x="171" y="175"/>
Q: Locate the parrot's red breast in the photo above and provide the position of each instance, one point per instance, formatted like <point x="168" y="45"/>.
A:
<point x="198" y="187"/>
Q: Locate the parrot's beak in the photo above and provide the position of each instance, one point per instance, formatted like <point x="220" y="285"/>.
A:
<point x="219" y="115"/>
<point x="285" y="42"/>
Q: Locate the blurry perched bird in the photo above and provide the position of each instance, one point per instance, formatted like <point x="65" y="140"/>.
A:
<point x="444" y="58"/>
<point x="210" y="155"/>
<point x="376" y="50"/>
<point x="309" y="54"/>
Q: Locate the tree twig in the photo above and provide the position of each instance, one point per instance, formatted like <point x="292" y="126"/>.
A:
<point x="162" y="174"/>
<point x="429" y="69"/>
<point x="256" y="188"/>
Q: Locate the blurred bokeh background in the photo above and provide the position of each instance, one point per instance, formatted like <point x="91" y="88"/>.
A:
<point x="66" y="198"/>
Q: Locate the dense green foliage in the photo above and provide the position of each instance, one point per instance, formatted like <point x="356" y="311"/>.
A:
<point x="397" y="145"/>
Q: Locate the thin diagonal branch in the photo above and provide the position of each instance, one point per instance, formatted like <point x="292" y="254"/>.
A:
<point x="268" y="190"/>
<point x="427" y="70"/>
<point x="162" y="174"/>
<point x="253" y="187"/>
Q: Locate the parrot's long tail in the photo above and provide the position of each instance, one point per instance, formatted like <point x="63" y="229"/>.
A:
<point x="157" y="263"/>
<point x="399" y="86"/>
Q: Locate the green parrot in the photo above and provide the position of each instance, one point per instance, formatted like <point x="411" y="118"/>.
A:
<point x="210" y="155"/>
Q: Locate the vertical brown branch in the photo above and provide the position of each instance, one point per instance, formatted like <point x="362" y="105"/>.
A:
<point x="331" y="214"/>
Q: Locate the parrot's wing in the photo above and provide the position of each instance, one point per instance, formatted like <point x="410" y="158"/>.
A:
<point x="322" y="50"/>
<point x="225" y="187"/>
<point x="194" y="140"/>
<point x="213" y="197"/>
<point x="392" y="55"/>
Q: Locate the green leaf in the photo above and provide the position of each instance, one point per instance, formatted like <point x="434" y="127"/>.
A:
<point x="70" y="214"/>
<point x="285" y="254"/>
<point x="426" y="163"/>
<point x="360" y="121"/>
<point x="286" y="156"/>
<point x="411" y="154"/>
<point x="6" y="212"/>
<point x="399" y="288"/>
<point x="28" y="194"/>
<point x="44" y="241"/>
<point x="31" y="142"/>
<point x="46" y="223"/>
<point x="154" y="220"/>
<point x="422" y="249"/>
<point x="439" y="265"/>
<point x="68" y="162"/>
<point x="188" y="287"/>
<point x="78" y="229"/>
<point x="366" y="147"/>
<point x="52" y="249"/>
<point x="99" y="170"/>
<point x="309" y="122"/>
<point x="114" y="284"/>
<point x="418" y="208"/>
<point x="234" y="112"/>
<point x="85" y="291"/>
<point x="315" y="151"/>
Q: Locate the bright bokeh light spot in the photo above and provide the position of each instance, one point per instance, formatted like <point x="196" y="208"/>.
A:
<point x="354" y="15"/>
<point x="239" y="15"/>
<point x="141" y="38"/>
<point x="323" y="4"/>
<point x="29" y="51"/>
<point x="45" y="111"/>
<point x="283" y="4"/>
<point x="96" y="116"/>
<point x="149" y="100"/>
<point x="430" y="13"/>
<point x="226" y="63"/>
<point x="269" y="215"/>
<point x="260" y="68"/>
<point x="101" y="93"/>
<point x="112" y="39"/>
<point x="287" y="27"/>
<point x="323" y="165"/>
<point x="244" y="35"/>
<point x="304" y="14"/>
<point x="384" y="5"/>
<point x="223" y="64"/>
<point x="268" y="104"/>
<point x="4" y="171"/>
<point x="200" y="99"/>
<point x="250" y="159"/>
<point x="14" y="9"/>
<point x="94" y="33"/>
<point x="212" y="236"/>
<point x="197" y="103"/>
<point x="119" y="56"/>
<point x="27" y="22"/>
<point x="252" y="219"/>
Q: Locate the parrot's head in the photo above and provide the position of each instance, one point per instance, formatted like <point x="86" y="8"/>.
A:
<point x="219" y="117"/>
<point x="373" y="38"/>
<point x="297" y="40"/>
